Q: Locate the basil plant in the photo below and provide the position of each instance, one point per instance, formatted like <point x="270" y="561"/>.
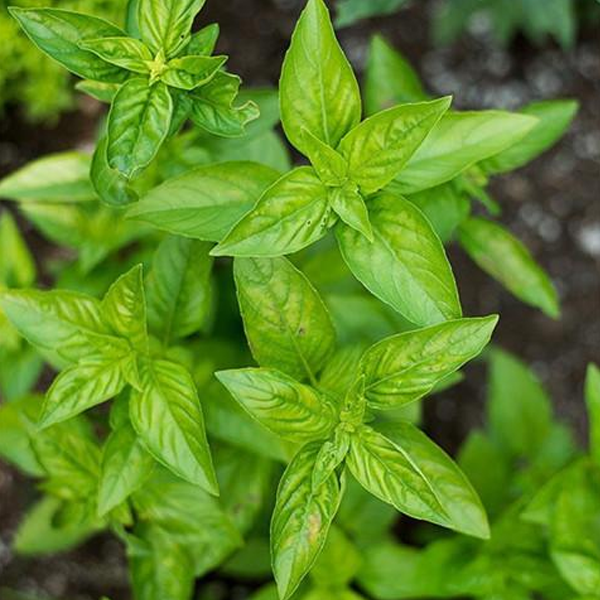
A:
<point x="239" y="347"/>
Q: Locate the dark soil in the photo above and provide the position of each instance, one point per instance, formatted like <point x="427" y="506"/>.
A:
<point x="553" y="205"/>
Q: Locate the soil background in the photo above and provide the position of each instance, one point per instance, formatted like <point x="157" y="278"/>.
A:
<point x="553" y="205"/>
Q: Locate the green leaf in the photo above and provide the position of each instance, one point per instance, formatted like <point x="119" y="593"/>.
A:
<point x="40" y="534"/>
<point x="405" y="367"/>
<point x="554" y="118"/>
<point x="190" y="72"/>
<point x="445" y="206"/>
<point x="126" y="465"/>
<point x="286" y="323"/>
<point x="391" y="571"/>
<point x="167" y="416"/>
<point x="379" y="148"/>
<point x="64" y="323"/>
<point x="179" y="288"/>
<point x="458" y="141"/>
<point x="331" y="455"/>
<point x="58" y="33"/>
<point x="227" y="421"/>
<point x="16" y="418"/>
<point x="203" y="42"/>
<point x="20" y="370"/>
<point x="61" y="177"/>
<point x="159" y="568"/>
<point x="318" y="90"/>
<point x="244" y="479"/>
<point x="507" y="260"/>
<point x="90" y="382"/>
<point x="330" y="166"/>
<point x="351" y="11"/>
<point x="110" y="184"/>
<point x="338" y="564"/>
<point x="17" y="268"/>
<point x="206" y="202"/>
<point x="165" y="24"/>
<point x="213" y="109"/>
<point x="301" y="520"/>
<point x="290" y="409"/>
<point x="408" y="471"/>
<point x="172" y="510"/>
<point x="125" y="52"/>
<point x="390" y="79"/>
<point x="592" y="398"/>
<point x="488" y="469"/>
<point x="138" y="124"/>
<point x="70" y="456"/>
<point x="350" y="206"/>
<point x="575" y="531"/>
<point x="406" y="265"/>
<point x="103" y="92"/>
<point x="519" y="410"/>
<point x="291" y="214"/>
<point x="124" y="308"/>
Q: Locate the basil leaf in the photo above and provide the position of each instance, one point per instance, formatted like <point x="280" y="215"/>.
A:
<point x="286" y="323"/>
<point x="203" y="42"/>
<point x="227" y="421"/>
<point x="17" y="268"/>
<point x="16" y="417"/>
<point x="165" y="24"/>
<point x="554" y="117"/>
<point x="64" y="323"/>
<point x="575" y="533"/>
<point x="352" y="11"/>
<point x="125" y="52"/>
<point x="338" y="564"/>
<point x="458" y="141"/>
<point x="213" y="109"/>
<point x="190" y="72"/>
<point x="389" y="78"/>
<point x="110" y="184"/>
<point x="206" y="202"/>
<point x="160" y="568"/>
<point x="166" y="414"/>
<point x="125" y="467"/>
<point x="290" y="215"/>
<point x="60" y="177"/>
<point x="445" y="206"/>
<point x="124" y="308"/>
<point x="138" y="124"/>
<point x="58" y="32"/>
<point x="592" y="399"/>
<point x="519" y="409"/>
<point x="39" y="533"/>
<point x="407" y="470"/>
<point x="405" y="367"/>
<point x="406" y="265"/>
<point x="330" y="166"/>
<point x="379" y="148"/>
<point x="507" y="260"/>
<point x="331" y="455"/>
<point x="290" y="409"/>
<point x="244" y="479"/>
<point x="301" y="520"/>
<point x="70" y="456"/>
<point x="179" y="288"/>
<point x="80" y="387"/>
<point x="173" y="510"/>
<point x="318" y="90"/>
<point x="349" y="205"/>
<point x="103" y="92"/>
